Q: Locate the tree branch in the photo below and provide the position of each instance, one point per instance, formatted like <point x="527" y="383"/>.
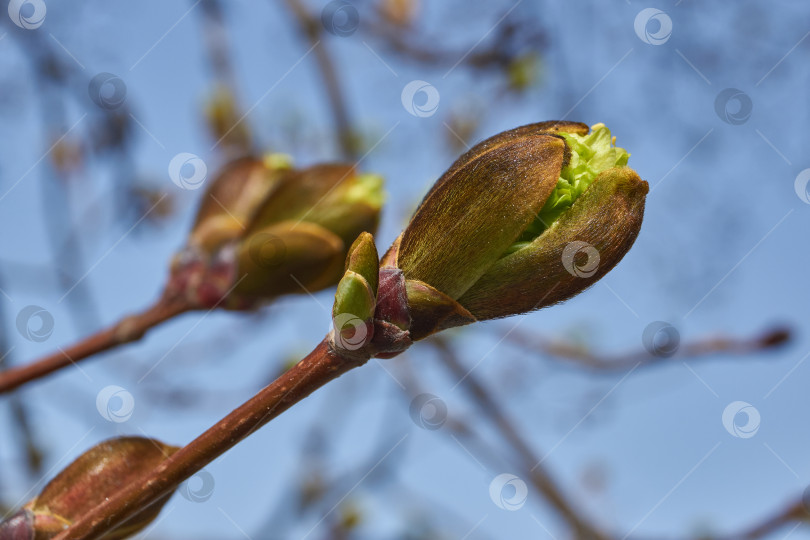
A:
<point x="579" y="356"/>
<point x="538" y="476"/>
<point x="129" y="329"/>
<point x="316" y="369"/>
<point x="310" y="27"/>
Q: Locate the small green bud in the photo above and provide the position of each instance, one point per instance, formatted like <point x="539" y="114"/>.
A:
<point x="87" y="482"/>
<point x="357" y="290"/>
<point x="356" y="297"/>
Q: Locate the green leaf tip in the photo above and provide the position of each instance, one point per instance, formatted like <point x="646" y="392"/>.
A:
<point x="591" y="153"/>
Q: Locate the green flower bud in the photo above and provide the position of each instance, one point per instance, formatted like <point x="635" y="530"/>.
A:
<point x="265" y="230"/>
<point x="84" y="484"/>
<point x="505" y="229"/>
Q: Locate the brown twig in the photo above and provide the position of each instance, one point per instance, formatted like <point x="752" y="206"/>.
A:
<point x="310" y="26"/>
<point x="129" y="329"/>
<point x="508" y="40"/>
<point x="538" y="476"/>
<point x="579" y="356"/>
<point x="316" y="369"/>
<point x="796" y="512"/>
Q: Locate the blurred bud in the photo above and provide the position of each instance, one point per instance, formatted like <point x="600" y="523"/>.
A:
<point x="399" y="12"/>
<point x="522" y="71"/>
<point x="224" y="122"/>
<point x="67" y="156"/>
<point x="233" y="198"/>
<point x="265" y="229"/>
<point x="775" y="337"/>
<point x="84" y="484"/>
<point x="284" y="258"/>
<point x="523" y="220"/>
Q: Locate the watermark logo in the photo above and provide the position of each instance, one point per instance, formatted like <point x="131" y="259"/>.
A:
<point x="801" y="186"/>
<point x="653" y="26"/>
<point x="198" y="488"/>
<point x="108" y="91"/>
<point x="576" y="250"/>
<point x="115" y="404"/>
<point x="420" y="98"/>
<point x="351" y="331"/>
<point x="741" y="419"/>
<point x="508" y="492"/>
<point x="733" y="106"/>
<point x="27" y="14"/>
<point x="267" y="250"/>
<point x="187" y="171"/>
<point x="428" y="411"/>
<point x="35" y="323"/>
<point x="661" y="339"/>
<point x="340" y="18"/>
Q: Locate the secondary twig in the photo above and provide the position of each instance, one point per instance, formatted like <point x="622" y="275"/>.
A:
<point x="538" y="476"/>
<point x="795" y="512"/>
<point x="579" y="356"/>
<point x="131" y="328"/>
<point x="310" y="27"/>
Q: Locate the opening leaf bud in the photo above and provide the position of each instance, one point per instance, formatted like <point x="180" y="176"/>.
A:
<point x="523" y="220"/>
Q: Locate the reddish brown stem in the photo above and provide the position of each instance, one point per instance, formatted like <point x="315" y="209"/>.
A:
<point x="129" y="329"/>
<point x="318" y="368"/>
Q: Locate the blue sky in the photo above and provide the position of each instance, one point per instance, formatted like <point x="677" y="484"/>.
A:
<point x="722" y="249"/>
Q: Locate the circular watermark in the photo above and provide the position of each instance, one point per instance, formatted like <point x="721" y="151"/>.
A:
<point x="661" y="339"/>
<point x="427" y="106"/>
<point x="35" y="323"/>
<point x="733" y="106"/>
<point x="741" y="419"/>
<point x="340" y="18"/>
<point x="187" y="171"/>
<point x="115" y="404"/>
<point x="801" y="186"/>
<point x="428" y="411"/>
<point x="108" y="91"/>
<point x="267" y="250"/>
<point x="574" y="251"/>
<point x="508" y="492"/>
<point x="653" y="26"/>
<point x="27" y="14"/>
<point x="351" y="331"/>
<point x="198" y="488"/>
